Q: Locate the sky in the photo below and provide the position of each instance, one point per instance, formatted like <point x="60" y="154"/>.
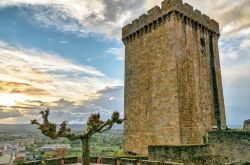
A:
<point x="68" y="55"/>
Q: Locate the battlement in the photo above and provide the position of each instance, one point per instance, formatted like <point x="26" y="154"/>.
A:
<point x="170" y="9"/>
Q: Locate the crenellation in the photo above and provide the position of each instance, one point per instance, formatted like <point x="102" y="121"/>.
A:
<point x="143" y="20"/>
<point x="135" y="25"/>
<point x="215" y="25"/>
<point x="207" y="18"/>
<point x="157" y="15"/>
<point x="197" y="12"/>
<point x="126" y="30"/>
<point x="154" y="13"/>
<point x="168" y="5"/>
<point x="189" y="7"/>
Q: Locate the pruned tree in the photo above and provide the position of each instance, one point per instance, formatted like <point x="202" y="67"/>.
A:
<point x="94" y="125"/>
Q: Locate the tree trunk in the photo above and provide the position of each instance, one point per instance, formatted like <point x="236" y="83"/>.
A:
<point x="85" y="151"/>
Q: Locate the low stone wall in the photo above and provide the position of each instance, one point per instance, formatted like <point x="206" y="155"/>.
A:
<point x="54" y="161"/>
<point x="33" y="163"/>
<point x="149" y="162"/>
<point x="109" y="160"/>
<point x="224" y="147"/>
<point x="125" y="161"/>
<point x="93" y="159"/>
<point x="187" y="154"/>
<point x="104" y="160"/>
<point x="232" y="146"/>
<point x="69" y="160"/>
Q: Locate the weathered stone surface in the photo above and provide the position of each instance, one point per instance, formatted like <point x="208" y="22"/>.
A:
<point x="232" y="146"/>
<point x="247" y="125"/>
<point x="173" y="89"/>
<point x="223" y="147"/>
<point x="187" y="154"/>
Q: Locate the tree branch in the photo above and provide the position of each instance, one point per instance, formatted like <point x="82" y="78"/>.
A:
<point x="94" y="125"/>
<point x="49" y="129"/>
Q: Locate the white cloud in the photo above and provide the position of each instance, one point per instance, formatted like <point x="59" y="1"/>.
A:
<point x="118" y="53"/>
<point x="53" y="73"/>
<point x="229" y="54"/>
<point x="83" y="17"/>
<point x="236" y="74"/>
<point x="79" y="16"/>
<point x="245" y="44"/>
<point x="109" y="100"/>
<point x="108" y="16"/>
<point x="64" y="42"/>
<point x="228" y="28"/>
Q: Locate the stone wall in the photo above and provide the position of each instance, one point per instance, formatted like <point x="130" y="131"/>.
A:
<point x="187" y="154"/>
<point x="232" y="146"/>
<point x="246" y="125"/>
<point x="53" y="161"/>
<point x="151" y="93"/>
<point x="223" y="147"/>
<point x="173" y="89"/>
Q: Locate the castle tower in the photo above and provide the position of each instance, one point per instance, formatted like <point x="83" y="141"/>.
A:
<point x="173" y="88"/>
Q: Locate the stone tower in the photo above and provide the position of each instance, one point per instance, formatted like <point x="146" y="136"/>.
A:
<point x="173" y="88"/>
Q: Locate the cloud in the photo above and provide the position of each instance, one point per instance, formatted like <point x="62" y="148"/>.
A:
<point x="80" y="113"/>
<point x="233" y="16"/>
<point x="9" y="114"/>
<point x="21" y="88"/>
<point x="55" y="17"/>
<point x="32" y="80"/>
<point x="85" y="18"/>
<point x="82" y="18"/>
<point x="40" y="61"/>
<point x="235" y="74"/>
<point x="66" y="110"/>
<point x="48" y="76"/>
<point x="118" y="53"/>
<point x="245" y="44"/>
<point x="64" y="42"/>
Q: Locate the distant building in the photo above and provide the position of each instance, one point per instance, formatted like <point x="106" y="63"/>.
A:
<point x="5" y="160"/>
<point x="21" y="154"/>
<point x="23" y="142"/>
<point x="6" y="148"/>
<point x="54" y="147"/>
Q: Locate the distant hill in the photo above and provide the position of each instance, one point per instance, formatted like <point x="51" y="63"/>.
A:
<point x="236" y="126"/>
<point x="28" y="128"/>
<point x="17" y="128"/>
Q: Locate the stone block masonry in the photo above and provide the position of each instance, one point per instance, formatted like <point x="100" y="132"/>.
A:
<point x="173" y="88"/>
<point x="232" y="146"/>
<point x="224" y="147"/>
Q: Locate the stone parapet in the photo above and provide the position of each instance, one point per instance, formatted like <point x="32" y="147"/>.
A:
<point x="224" y="147"/>
<point x="158" y="15"/>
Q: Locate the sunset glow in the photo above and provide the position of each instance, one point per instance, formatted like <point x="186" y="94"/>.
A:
<point x="68" y="56"/>
<point x="7" y="99"/>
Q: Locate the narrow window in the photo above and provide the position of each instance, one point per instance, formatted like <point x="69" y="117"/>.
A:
<point x="203" y="45"/>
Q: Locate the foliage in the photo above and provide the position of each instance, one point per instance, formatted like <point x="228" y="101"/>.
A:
<point x="49" y="155"/>
<point x="19" y="161"/>
<point x="94" y="125"/>
<point x="62" y="153"/>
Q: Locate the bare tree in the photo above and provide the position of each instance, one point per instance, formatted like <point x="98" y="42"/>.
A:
<point x="94" y="125"/>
